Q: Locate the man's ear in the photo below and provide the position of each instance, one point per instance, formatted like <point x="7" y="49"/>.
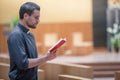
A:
<point x="26" y="16"/>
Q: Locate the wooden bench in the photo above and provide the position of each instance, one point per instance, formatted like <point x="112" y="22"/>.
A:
<point x="41" y="74"/>
<point x="117" y="75"/>
<point x="70" y="77"/>
<point x="4" y="69"/>
<point x="52" y="70"/>
<point x="4" y="59"/>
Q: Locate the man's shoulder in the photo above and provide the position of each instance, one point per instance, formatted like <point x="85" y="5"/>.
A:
<point x="16" y="33"/>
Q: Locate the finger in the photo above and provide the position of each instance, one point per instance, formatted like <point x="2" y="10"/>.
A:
<point x="54" y="51"/>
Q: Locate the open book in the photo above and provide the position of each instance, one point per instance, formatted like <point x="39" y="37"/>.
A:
<point x="58" y="44"/>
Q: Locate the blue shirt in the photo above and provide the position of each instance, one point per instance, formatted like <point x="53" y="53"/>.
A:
<point x="21" y="45"/>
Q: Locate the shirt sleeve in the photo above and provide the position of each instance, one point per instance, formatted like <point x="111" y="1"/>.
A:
<point x="17" y="51"/>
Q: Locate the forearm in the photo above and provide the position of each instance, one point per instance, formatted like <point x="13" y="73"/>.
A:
<point x="37" y="61"/>
<point x="41" y="60"/>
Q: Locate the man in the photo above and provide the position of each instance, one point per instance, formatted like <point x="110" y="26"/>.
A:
<point x="22" y="48"/>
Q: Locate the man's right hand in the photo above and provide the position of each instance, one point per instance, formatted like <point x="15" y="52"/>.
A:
<point x="51" y="55"/>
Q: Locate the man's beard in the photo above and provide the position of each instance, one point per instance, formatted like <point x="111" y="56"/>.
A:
<point x="33" y="26"/>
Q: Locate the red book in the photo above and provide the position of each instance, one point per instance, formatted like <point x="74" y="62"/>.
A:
<point x="58" y="44"/>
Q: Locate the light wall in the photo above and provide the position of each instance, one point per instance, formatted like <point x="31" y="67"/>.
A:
<point x="52" y="11"/>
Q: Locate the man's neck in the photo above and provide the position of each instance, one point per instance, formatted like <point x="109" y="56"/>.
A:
<point x="24" y="24"/>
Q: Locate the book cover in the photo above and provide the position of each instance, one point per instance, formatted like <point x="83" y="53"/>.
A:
<point x="58" y="44"/>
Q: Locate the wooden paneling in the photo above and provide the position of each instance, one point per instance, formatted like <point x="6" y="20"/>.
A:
<point x="64" y="30"/>
<point x="3" y="39"/>
<point x="117" y="75"/>
<point x="61" y="30"/>
<point x="4" y="69"/>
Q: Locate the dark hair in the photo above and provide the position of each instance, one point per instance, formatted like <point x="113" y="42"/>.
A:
<point x="28" y="8"/>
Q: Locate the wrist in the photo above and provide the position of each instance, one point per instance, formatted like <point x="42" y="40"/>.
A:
<point x="46" y="57"/>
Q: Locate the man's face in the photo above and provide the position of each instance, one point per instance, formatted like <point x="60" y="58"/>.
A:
<point x="33" y="19"/>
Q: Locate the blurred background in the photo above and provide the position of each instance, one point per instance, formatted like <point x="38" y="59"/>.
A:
<point x="91" y="28"/>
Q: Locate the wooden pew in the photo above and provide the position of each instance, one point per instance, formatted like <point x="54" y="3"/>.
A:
<point x="70" y="77"/>
<point x="117" y="75"/>
<point x="4" y="59"/>
<point x="52" y="70"/>
<point x="41" y="74"/>
<point x="4" y="69"/>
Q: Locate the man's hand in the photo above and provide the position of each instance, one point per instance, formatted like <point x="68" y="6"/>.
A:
<point x="50" y="55"/>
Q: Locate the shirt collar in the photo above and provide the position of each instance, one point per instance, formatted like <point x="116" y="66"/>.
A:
<point x="23" y="28"/>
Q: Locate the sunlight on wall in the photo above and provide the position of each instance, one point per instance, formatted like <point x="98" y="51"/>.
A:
<point x="51" y="10"/>
<point x="50" y="39"/>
